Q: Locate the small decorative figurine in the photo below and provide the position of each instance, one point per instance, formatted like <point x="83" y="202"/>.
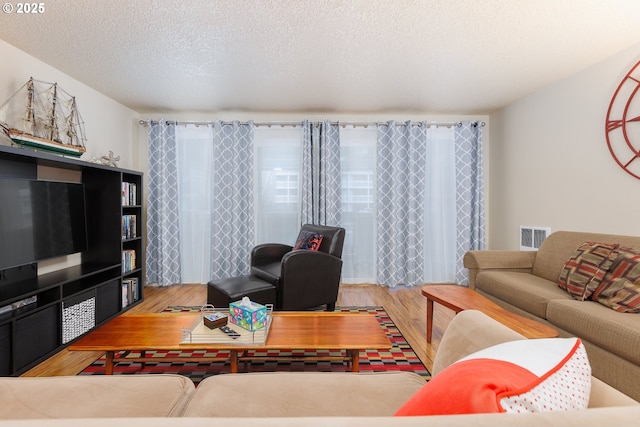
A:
<point x="110" y="160"/>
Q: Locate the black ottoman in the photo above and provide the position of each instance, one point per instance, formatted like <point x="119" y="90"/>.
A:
<point x="222" y="292"/>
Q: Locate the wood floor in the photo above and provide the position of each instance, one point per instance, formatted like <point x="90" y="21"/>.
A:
<point x="406" y="306"/>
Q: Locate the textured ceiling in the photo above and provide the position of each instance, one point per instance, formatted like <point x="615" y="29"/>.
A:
<point x="428" y="56"/>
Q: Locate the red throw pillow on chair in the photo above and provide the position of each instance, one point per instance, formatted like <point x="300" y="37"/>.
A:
<point x="308" y="240"/>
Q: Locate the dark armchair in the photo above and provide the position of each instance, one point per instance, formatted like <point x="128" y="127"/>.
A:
<point x="303" y="278"/>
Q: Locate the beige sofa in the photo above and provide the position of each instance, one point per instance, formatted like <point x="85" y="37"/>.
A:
<point x="526" y="282"/>
<point x="282" y="399"/>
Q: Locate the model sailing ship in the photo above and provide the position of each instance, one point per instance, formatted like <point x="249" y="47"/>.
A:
<point x="45" y="117"/>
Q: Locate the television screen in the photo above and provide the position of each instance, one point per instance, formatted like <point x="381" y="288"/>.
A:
<point x="40" y="220"/>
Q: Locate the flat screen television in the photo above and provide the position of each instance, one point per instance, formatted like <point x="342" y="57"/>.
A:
<point x="40" y="220"/>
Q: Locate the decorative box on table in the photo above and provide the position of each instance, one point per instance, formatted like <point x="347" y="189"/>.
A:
<point x="214" y="319"/>
<point x="247" y="314"/>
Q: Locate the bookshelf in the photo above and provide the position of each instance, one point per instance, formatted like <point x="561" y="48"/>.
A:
<point x="131" y="239"/>
<point x="65" y="304"/>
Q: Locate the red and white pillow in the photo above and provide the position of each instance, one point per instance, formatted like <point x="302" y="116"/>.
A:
<point x="539" y="375"/>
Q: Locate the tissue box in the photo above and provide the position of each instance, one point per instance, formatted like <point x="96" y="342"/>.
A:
<point x="248" y="315"/>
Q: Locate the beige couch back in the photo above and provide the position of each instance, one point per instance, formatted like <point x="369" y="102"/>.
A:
<point x="559" y="246"/>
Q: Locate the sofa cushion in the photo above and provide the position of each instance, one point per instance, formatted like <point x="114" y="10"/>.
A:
<point x="470" y="331"/>
<point x="525" y="291"/>
<point x="620" y="287"/>
<point x="616" y="332"/>
<point x="516" y="377"/>
<point x="584" y="270"/>
<point x="94" y="396"/>
<point x="297" y="394"/>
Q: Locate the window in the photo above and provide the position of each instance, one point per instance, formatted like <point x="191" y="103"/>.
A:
<point x="278" y="159"/>
<point x="277" y="187"/>
<point x="287" y="183"/>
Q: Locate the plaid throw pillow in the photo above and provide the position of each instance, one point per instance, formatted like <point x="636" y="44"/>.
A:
<point x="620" y="287"/>
<point x="584" y="271"/>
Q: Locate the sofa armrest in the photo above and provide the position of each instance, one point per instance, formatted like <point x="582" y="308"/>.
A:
<point x="476" y="261"/>
<point x="470" y="331"/>
<point x="603" y="395"/>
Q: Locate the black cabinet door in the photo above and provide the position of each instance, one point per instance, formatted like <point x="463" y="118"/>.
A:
<point x="36" y="336"/>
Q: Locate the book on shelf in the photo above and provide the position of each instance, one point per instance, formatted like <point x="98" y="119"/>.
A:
<point x="129" y="194"/>
<point x="129" y="291"/>
<point x="128" y="260"/>
<point x="128" y="227"/>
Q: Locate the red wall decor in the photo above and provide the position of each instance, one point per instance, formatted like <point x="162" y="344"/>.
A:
<point x="623" y="123"/>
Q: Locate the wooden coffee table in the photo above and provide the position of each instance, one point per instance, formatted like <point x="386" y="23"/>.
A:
<point x="459" y="298"/>
<point x="352" y="332"/>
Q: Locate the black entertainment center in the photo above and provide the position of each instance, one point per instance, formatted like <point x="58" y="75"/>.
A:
<point x="99" y="217"/>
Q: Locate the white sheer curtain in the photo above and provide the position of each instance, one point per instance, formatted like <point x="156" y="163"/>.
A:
<point x="440" y="206"/>
<point x="278" y="168"/>
<point x="195" y="163"/>
<point x="358" y="171"/>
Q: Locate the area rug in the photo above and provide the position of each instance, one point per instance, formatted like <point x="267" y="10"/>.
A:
<point x="400" y="357"/>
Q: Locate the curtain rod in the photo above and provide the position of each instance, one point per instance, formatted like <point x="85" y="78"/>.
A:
<point x="294" y="124"/>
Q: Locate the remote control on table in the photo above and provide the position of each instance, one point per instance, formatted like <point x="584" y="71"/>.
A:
<point x="227" y="330"/>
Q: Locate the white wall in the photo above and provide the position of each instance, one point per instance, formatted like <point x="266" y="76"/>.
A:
<point x="550" y="164"/>
<point x="108" y="124"/>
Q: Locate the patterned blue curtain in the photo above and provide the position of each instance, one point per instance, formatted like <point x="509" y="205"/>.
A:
<point x="401" y="157"/>
<point x="232" y="226"/>
<point x="320" y="201"/>
<point x="329" y="180"/>
<point x="307" y="196"/>
<point x="469" y="194"/>
<point x="163" y="231"/>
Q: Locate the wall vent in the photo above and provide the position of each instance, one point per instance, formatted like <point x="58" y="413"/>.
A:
<point x="532" y="237"/>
